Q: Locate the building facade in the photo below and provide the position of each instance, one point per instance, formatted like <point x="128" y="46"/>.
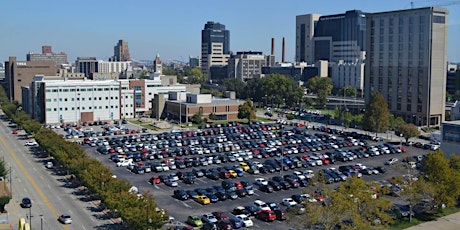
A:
<point x="64" y="101"/>
<point x="215" y="46"/>
<point x="93" y="68"/>
<point x="246" y="65"/>
<point x="406" y="62"/>
<point x="344" y="74"/>
<point x="453" y="79"/>
<point x="48" y="55"/>
<point x="340" y="37"/>
<point x="182" y="106"/>
<point x="21" y="73"/>
<point x="121" y="52"/>
<point x="305" y="30"/>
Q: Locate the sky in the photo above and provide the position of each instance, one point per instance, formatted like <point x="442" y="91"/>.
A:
<point x="172" y="28"/>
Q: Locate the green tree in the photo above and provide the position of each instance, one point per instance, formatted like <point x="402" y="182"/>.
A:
<point x="456" y="96"/>
<point x="247" y="110"/>
<point x="348" y="91"/>
<point x="3" y="169"/>
<point x="168" y="71"/>
<point x="322" y="87"/>
<point x="395" y="122"/>
<point x="437" y="170"/>
<point x="234" y="84"/>
<point x="408" y="131"/>
<point x="196" y="77"/>
<point x="197" y="118"/>
<point x="377" y="115"/>
<point x="354" y="200"/>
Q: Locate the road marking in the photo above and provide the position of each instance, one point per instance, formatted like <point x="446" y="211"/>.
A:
<point x="186" y="205"/>
<point x="37" y="189"/>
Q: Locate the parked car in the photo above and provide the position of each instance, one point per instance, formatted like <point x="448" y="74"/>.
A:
<point x="391" y="161"/>
<point x="266" y="215"/>
<point x="194" y="220"/>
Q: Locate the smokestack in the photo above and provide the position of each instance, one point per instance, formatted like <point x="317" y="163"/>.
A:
<point x="273" y="46"/>
<point x="283" y="52"/>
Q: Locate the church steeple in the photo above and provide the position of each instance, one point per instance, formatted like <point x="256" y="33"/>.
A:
<point x="157" y="66"/>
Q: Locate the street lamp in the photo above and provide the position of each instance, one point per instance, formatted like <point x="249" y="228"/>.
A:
<point x="41" y="222"/>
<point x="400" y="143"/>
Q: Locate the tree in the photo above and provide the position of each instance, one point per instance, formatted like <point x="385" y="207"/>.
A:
<point x="408" y="131"/>
<point x="196" y="77"/>
<point x="395" y="122"/>
<point x="437" y="170"/>
<point x="322" y="87"/>
<point x="348" y="91"/>
<point x="377" y="115"/>
<point x="197" y="118"/>
<point x="234" y="84"/>
<point x="247" y="111"/>
<point x="3" y="169"/>
<point x="353" y="200"/>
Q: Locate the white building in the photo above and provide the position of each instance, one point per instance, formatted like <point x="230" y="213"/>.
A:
<point x="59" y="101"/>
<point x="344" y="74"/>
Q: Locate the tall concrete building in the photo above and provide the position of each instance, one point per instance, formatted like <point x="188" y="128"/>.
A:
<point x="305" y="30"/>
<point x="340" y="37"/>
<point x="215" y="46"/>
<point x="121" y="52"/>
<point x="48" y="55"/>
<point x="406" y="62"/>
<point x="21" y="73"/>
<point x="246" y="65"/>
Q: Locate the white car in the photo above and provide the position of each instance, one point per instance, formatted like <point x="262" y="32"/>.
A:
<point x="49" y="165"/>
<point x="246" y="220"/>
<point x="208" y="218"/>
<point x="65" y="219"/>
<point x="299" y="175"/>
<point x="261" y="181"/>
<point x="289" y="202"/>
<point x="124" y="163"/>
<point x="262" y="205"/>
<point x="31" y="143"/>
<point x="392" y="161"/>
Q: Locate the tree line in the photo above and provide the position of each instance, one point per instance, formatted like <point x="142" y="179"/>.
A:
<point x="138" y="212"/>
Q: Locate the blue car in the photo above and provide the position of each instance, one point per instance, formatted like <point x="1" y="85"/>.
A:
<point x="236" y="222"/>
<point x="212" y="197"/>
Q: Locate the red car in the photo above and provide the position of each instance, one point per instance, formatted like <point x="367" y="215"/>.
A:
<point x="220" y="215"/>
<point x="15" y="131"/>
<point x="266" y="215"/>
<point x="155" y="180"/>
<point x="238" y="185"/>
<point x="404" y="150"/>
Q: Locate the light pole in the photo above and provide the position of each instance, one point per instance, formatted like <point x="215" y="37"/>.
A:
<point x="400" y="143"/>
<point x="41" y="222"/>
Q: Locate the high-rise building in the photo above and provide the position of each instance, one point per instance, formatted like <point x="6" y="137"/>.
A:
<point x="340" y="37"/>
<point x="305" y="30"/>
<point x="21" y="73"/>
<point x="121" y="52"/>
<point x="406" y="62"/>
<point x="92" y="67"/>
<point x="246" y="65"/>
<point x="215" y="46"/>
<point x="48" y="55"/>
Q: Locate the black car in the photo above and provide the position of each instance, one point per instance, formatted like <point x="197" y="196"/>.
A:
<point x="181" y="194"/>
<point x="266" y="188"/>
<point x="252" y="209"/>
<point x="221" y="195"/>
<point x="381" y="169"/>
<point x="26" y="203"/>
<point x="276" y="186"/>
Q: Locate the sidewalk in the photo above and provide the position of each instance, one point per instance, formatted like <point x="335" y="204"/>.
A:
<point x="450" y="222"/>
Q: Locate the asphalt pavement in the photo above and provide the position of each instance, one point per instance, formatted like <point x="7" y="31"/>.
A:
<point x="48" y="189"/>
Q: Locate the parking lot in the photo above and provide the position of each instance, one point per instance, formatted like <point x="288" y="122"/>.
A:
<point x="234" y="153"/>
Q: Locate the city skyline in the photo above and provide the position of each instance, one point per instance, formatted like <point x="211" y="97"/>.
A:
<point x="173" y="28"/>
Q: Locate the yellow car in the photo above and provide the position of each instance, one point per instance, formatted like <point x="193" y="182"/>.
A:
<point x="244" y="166"/>
<point x="202" y="199"/>
<point x="232" y="173"/>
